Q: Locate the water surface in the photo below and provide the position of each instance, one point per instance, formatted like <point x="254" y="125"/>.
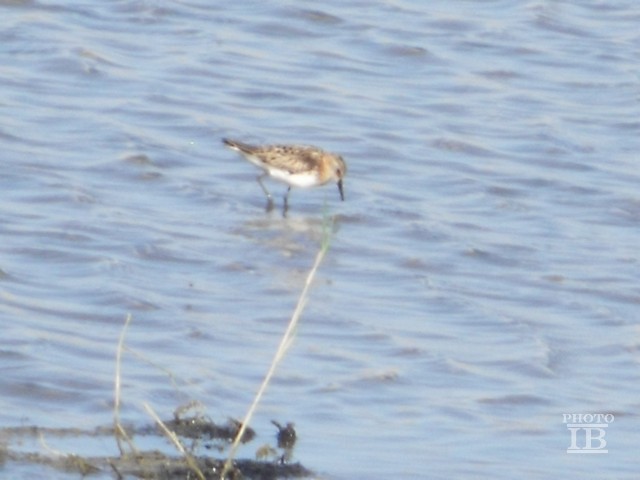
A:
<point x="482" y="279"/>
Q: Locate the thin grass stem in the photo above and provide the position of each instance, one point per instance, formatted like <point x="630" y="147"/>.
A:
<point x="193" y="465"/>
<point x="119" y="431"/>
<point x="285" y="342"/>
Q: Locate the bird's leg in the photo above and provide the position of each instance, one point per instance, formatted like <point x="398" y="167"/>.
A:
<point x="264" y="189"/>
<point x="285" y="208"/>
<point x="266" y="192"/>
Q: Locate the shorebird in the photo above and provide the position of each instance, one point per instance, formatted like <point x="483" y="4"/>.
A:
<point x="296" y="165"/>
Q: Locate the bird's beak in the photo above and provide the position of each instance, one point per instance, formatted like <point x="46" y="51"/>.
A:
<point x="341" y="191"/>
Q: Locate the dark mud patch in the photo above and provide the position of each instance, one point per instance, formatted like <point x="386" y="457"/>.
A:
<point x="196" y="433"/>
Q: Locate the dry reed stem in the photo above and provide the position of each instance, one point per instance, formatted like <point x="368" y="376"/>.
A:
<point x="176" y="441"/>
<point x="119" y="431"/>
<point x="287" y="338"/>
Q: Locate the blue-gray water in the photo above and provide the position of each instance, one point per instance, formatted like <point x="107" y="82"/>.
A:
<point x="483" y="275"/>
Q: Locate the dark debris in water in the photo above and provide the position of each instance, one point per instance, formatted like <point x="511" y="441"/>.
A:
<point x="158" y="466"/>
<point x="203" y="428"/>
<point x="198" y="430"/>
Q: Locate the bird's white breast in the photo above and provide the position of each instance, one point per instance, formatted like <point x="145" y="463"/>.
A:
<point x="306" y="179"/>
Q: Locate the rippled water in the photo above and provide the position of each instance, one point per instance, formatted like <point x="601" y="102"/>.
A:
<point x="483" y="275"/>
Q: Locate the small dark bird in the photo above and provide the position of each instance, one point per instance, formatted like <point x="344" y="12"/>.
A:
<point x="286" y="435"/>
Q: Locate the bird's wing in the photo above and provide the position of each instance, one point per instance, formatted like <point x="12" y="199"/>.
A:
<point x="289" y="158"/>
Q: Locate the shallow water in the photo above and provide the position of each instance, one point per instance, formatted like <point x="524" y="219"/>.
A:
<point x="483" y="274"/>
